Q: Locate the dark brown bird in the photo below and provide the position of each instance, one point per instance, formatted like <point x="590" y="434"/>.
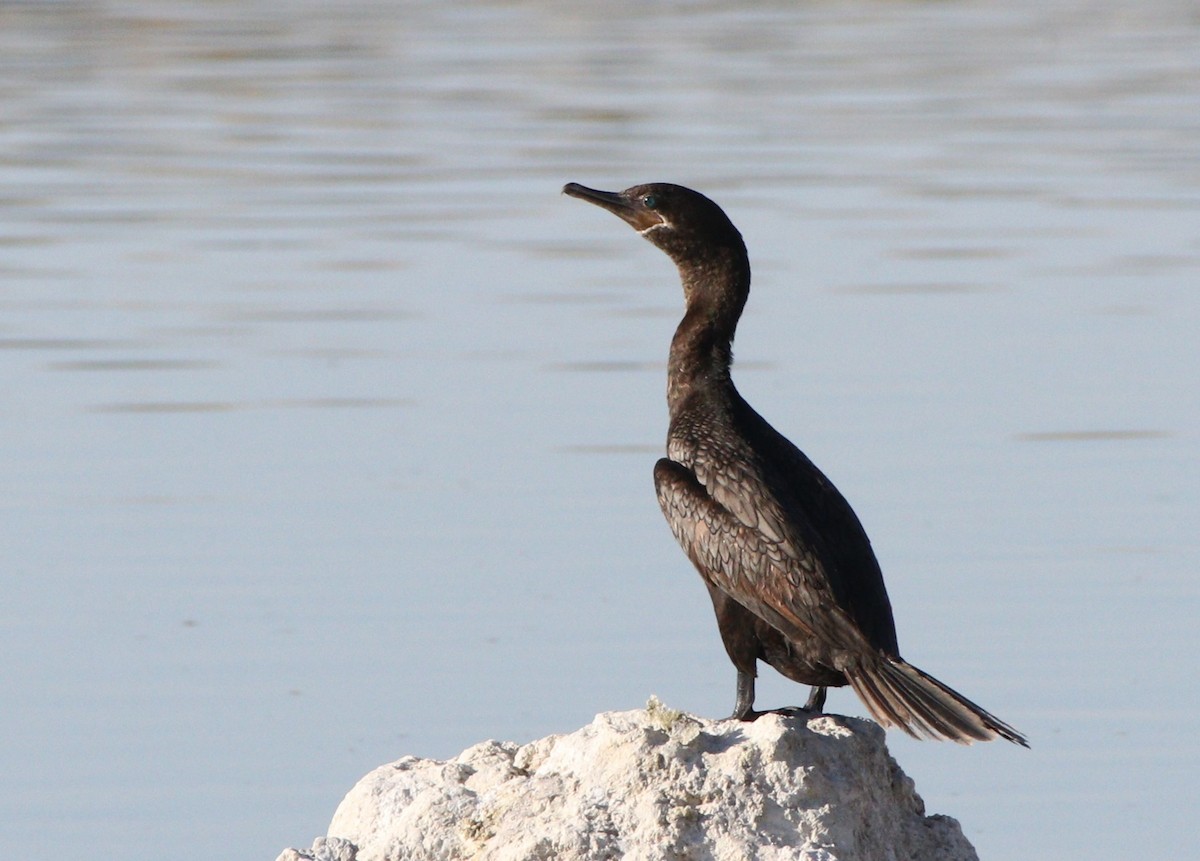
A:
<point x="792" y="576"/>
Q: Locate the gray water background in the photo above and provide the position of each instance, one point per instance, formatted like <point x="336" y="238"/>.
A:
<point x="327" y="422"/>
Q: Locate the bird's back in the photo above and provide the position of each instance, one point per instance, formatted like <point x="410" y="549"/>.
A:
<point x="744" y="462"/>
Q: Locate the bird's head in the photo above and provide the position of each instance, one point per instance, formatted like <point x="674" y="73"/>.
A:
<point x="685" y="224"/>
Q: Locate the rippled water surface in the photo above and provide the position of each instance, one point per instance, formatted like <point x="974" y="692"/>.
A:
<point x="328" y="422"/>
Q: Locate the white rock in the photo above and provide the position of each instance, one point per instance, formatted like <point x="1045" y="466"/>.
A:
<point x="649" y="784"/>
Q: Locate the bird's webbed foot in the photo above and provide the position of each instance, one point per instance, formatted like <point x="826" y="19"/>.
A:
<point x="743" y="709"/>
<point x="814" y="706"/>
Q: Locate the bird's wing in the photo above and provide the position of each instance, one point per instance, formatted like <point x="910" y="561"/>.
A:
<point x="750" y="552"/>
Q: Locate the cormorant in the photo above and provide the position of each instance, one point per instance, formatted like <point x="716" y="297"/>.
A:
<point x="790" y="570"/>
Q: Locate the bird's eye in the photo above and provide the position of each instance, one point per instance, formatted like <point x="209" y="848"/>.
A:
<point x="650" y="201"/>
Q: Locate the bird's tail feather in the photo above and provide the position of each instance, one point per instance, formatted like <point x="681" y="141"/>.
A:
<point x="901" y="695"/>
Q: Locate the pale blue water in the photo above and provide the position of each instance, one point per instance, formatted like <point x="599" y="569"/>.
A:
<point x="328" y="423"/>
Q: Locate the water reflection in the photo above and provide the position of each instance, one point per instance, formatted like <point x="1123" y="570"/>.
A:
<point x="921" y="288"/>
<point x="225" y="406"/>
<point x="132" y="365"/>
<point x="652" y="450"/>
<point x="1091" y="435"/>
<point x="56" y="344"/>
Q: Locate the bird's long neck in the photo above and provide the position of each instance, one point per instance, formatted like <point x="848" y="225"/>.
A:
<point x="702" y="349"/>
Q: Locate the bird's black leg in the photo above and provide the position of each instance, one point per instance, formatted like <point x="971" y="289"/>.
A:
<point x="743" y="709"/>
<point x="816" y="700"/>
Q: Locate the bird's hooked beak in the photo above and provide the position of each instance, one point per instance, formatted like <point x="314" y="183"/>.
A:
<point x="618" y="203"/>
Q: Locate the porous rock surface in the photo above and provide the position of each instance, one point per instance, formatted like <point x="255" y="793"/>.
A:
<point x="649" y="784"/>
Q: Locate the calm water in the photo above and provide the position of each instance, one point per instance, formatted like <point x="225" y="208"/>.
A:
<point x="328" y="423"/>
